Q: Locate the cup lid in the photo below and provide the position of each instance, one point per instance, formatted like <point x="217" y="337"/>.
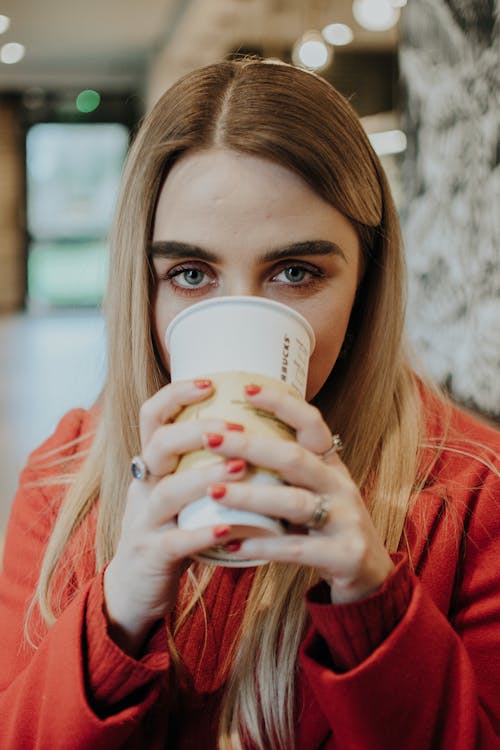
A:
<point x="239" y="300"/>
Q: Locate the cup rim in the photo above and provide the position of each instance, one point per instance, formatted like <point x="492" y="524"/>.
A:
<point x="239" y="300"/>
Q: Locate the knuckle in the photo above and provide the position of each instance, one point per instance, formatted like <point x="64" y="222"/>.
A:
<point x="147" y="410"/>
<point x="161" y="501"/>
<point x="294" y="456"/>
<point x="150" y="457"/>
<point x="159" y="441"/>
<point x="140" y="545"/>
<point x="350" y="519"/>
<point x="156" y="500"/>
<point x="315" y="417"/>
<point x="296" y="550"/>
<point x="303" y="505"/>
<point x="355" y="548"/>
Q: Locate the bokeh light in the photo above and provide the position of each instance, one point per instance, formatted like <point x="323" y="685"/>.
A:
<point x="87" y="101"/>
<point x="311" y="52"/>
<point x="4" y="24"/>
<point x="375" y="15"/>
<point x="12" y="52"/>
<point x="338" y="34"/>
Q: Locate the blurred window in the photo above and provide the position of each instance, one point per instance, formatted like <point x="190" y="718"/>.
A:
<point x="73" y="176"/>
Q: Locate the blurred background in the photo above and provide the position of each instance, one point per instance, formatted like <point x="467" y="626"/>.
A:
<point x="75" y="79"/>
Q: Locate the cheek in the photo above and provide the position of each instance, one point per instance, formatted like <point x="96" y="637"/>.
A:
<point x="329" y="340"/>
<point x="320" y="366"/>
<point x="162" y="315"/>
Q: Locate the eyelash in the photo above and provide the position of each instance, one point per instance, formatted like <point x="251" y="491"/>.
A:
<point x="169" y="276"/>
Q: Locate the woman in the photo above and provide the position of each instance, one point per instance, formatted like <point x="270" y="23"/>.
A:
<point x="376" y="622"/>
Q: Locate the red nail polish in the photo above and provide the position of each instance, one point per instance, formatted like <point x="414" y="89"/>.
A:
<point x="220" y="531"/>
<point x="232" y="546"/>
<point x="217" y="491"/>
<point x="235" y="465"/>
<point x="202" y="383"/>
<point x="214" y="439"/>
<point x="235" y="426"/>
<point x="252" y="389"/>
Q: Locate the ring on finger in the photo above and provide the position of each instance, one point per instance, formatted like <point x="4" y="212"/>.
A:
<point x="336" y="446"/>
<point x="320" y="514"/>
<point x="139" y="469"/>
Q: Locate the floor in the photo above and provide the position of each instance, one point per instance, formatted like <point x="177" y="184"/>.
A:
<point x="49" y="363"/>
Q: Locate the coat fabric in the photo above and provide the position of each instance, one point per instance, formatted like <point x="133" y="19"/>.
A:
<point x="415" y="666"/>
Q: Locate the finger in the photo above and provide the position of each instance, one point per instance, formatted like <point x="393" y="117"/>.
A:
<point x="294" y="464"/>
<point x="177" y="544"/>
<point x="324" y="552"/>
<point x="311" y="429"/>
<point x="166" y="404"/>
<point x="169" y="442"/>
<point x="292" y="504"/>
<point x="174" y="492"/>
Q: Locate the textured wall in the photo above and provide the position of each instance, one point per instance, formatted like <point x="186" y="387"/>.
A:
<point x="450" y="67"/>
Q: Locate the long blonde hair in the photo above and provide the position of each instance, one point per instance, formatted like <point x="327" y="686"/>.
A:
<point x="298" y="120"/>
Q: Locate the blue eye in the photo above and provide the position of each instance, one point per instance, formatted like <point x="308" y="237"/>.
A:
<point x="295" y="274"/>
<point x="188" y="277"/>
<point x="191" y="276"/>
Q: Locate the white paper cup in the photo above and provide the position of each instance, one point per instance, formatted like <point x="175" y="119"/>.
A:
<point x="234" y="341"/>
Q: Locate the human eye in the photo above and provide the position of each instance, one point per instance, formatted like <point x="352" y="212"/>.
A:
<point x="189" y="277"/>
<point x="297" y="274"/>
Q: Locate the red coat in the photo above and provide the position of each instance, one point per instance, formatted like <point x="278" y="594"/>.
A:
<point x="415" y="666"/>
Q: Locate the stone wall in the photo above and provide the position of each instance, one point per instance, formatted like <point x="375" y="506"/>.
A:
<point x="450" y="63"/>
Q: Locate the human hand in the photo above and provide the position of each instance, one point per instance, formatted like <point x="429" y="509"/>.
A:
<point x="142" y="580"/>
<point x="347" y="551"/>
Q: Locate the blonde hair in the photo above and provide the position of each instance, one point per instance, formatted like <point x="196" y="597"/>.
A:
<point x="298" y="120"/>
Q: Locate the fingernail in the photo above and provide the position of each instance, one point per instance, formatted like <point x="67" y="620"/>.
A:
<point x="235" y="465"/>
<point x="235" y="426"/>
<point x="220" y="531"/>
<point x="232" y="546"/>
<point x="217" y="491"/>
<point x="213" y="439"/>
<point x="202" y="383"/>
<point x="252" y="389"/>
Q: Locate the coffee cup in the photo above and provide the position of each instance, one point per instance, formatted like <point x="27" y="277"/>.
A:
<point x="235" y="341"/>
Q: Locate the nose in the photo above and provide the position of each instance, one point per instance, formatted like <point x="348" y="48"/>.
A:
<point x="242" y="288"/>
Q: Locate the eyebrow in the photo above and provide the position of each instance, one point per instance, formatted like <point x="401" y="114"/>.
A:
<point x="178" y="250"/>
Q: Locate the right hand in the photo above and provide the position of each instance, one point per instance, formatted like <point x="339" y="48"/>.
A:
<point x="141" y="582"/>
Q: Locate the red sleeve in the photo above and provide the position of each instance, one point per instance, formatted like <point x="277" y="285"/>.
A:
<point x="77" y="683"/>
<point x="353" y="631"/>
<point x="409" y="676"/>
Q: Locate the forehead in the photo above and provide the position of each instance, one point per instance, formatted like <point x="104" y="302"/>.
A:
<point x="220" y="178"/>
<point x="221" y="196"/>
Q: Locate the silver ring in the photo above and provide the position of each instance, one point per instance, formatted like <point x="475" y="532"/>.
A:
<point x="139" y="469"/>
<point x="320" y="514"/>
<point x="336" y="446"/>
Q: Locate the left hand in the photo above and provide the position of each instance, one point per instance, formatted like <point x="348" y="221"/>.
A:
<point x="347" y="552"/>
